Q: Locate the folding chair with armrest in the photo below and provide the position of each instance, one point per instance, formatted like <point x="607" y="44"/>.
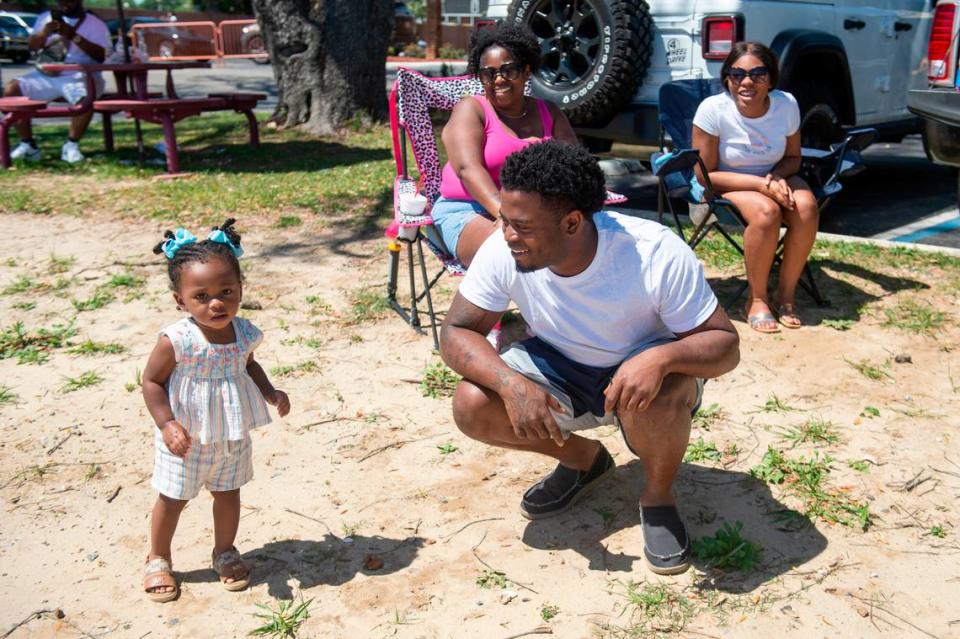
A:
<point x="413" y="97"/>
<point x="822" y="169"/>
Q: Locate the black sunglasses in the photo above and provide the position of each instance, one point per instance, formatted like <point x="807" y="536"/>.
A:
<point x="508" y="71"/>
<point x="757" y="74"/>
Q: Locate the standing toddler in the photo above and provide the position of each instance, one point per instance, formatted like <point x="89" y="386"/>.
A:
<point x="205" y="392"/>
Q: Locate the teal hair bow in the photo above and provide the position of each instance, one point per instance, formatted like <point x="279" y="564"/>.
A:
<point x="181" y="238"/>
<point x="216" y="235"/>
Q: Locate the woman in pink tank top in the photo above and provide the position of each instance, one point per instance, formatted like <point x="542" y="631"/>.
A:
<point x="484" y="130"/>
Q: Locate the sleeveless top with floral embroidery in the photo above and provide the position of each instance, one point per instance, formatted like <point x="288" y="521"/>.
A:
<point x="211" y="393"/>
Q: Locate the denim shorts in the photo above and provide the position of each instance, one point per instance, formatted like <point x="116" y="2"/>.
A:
<point x="450" y="216"/>
<point x="577" y="387"/>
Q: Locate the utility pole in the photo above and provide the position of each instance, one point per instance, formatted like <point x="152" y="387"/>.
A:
<point x="434" y="27"/>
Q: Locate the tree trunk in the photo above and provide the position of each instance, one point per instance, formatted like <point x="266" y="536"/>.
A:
<point x="328" y="57"/>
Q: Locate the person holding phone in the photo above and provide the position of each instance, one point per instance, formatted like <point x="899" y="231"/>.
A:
<point x="86" y="40"/>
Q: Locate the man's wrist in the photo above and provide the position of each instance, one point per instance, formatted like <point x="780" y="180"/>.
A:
<point x="77" y="39"/>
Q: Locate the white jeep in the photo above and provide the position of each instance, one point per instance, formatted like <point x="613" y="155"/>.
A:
<point x="848" y="62"/>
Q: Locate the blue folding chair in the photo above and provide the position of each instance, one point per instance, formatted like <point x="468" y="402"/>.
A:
<point x="675" y="171"/>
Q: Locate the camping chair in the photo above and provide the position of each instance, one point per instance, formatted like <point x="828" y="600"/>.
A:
<point x="412" y="99"/>
<point x="822" y="169"/>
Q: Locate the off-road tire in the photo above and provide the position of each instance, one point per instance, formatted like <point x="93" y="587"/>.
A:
<point x="594" y="63"/>
<point x="819" y="124"/>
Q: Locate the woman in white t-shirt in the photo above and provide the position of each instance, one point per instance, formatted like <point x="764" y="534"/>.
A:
<point x="749" y="139"/>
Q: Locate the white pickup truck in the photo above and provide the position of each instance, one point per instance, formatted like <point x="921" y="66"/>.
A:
<point x="848" y="62"/>
<point x="939" y="102"/>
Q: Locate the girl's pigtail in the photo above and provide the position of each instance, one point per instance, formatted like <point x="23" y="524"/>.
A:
<point x="229" y="231"/>
<point x="167" y="235"/>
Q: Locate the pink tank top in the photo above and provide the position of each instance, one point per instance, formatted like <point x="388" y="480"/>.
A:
<point x="498" y="144"/>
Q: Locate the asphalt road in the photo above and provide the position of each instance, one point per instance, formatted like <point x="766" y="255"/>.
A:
<point x="900" y="196"/>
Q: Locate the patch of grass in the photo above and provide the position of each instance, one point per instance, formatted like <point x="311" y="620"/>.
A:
<point x="654" y="610"/>
<point x="438" y="381"/>
<point x="700" y="450"/>
<point x="367" y="305"/>
<point x="868" y="369"/>
<point x="870" y="412"/>
<point x="839" y="324"/>
<point x="284" y="620"/>
<point x="125" y="280"/>
<point x="288" y="221"/>
<point x="815" y="430"/>
<point x="727" y="550"/>
<point x="446" y="449"/>
<point x="717" y="252"/>
<point x="33" y="348"/>
<point x="295" y="370"/>
<point x="937" y="531"/>
<point x="859" y="465"/>
<point x="774" y="405"/>
<point x="347" y="176"/>
<point x="804" y="478"/>
<point x="90" y="347"/>
<point x="134" y="385"/>
<point x="57" y="265"/>
<point x="707" y="417"/>
<point x="25" y="306"/>
<point x="92" y="471"/>
<point x="101" y="297"/>
<point x="90" y="378"/>
<point x="606" y="515"/>
<point x="350" y="530"/>
<point x="492" y="579"/>
<point x="7" y="396"/>
<point x="913" y="316"/>
<point x="548" y="612"/>
<point x="21" y="285"/>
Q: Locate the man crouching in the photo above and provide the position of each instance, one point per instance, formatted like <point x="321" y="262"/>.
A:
<point x="626" y="328"/>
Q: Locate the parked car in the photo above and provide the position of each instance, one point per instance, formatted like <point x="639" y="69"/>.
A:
<point x="14" y="40"/>
<point x="26" y="19"/>
<point x="165" y="41"/>
<point x="848" y="62"/>
<point x="251" y="41"/>
<point x="939" y="103"/>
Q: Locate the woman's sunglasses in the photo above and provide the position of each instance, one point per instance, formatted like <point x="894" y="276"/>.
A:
<point x="509" y="71"/>
<point x="757" y="74"/>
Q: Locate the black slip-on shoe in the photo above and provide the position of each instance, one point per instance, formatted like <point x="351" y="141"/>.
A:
<point x="564" y="487"/>
<point x="666" y="545"/>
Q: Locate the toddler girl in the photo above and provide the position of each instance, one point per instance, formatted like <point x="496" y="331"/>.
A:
<point x="205" y="392"/>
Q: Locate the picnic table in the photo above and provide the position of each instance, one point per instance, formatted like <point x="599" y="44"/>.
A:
<point x="133" y="98"/>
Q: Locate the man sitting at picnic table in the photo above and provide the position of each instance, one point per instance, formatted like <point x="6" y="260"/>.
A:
<point x="87" y="41"/>
<point x="626" y="328"/>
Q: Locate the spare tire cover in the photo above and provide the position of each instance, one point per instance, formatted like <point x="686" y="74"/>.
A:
<point x="594" y="53"/>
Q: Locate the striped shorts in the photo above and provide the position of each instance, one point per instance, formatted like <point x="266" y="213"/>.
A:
<point x="219" y="466"/>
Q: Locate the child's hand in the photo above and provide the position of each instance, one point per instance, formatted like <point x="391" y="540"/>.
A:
<point x="176" y="438"/>
<point x="279" y="399"/>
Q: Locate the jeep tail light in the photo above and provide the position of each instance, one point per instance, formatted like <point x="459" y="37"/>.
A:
<point x="941" y="38"/>
<point x="719" y="34"/>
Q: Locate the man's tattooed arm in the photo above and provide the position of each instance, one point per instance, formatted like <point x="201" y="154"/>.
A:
<point x="464" y="347"/>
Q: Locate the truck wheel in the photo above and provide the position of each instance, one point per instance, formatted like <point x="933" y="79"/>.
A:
<point x="819" y="125"/>
<point x="594" y="53"/>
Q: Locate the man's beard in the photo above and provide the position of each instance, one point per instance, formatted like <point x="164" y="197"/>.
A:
<point x="525" y="269"/>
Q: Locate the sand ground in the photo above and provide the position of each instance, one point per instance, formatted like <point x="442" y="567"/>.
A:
<point x="356" y="470"/>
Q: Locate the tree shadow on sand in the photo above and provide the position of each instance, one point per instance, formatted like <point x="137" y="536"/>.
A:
<point x="706" y="497"/>
<point x="331" y="561"/>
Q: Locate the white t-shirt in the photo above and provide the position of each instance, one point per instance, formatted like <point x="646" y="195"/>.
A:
<point x="93" y="29"/>
<point x="644" y="285"/>
<point x="749" y="145"/>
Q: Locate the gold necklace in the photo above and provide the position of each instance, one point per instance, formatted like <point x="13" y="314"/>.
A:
<point x="523" y="113"/>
